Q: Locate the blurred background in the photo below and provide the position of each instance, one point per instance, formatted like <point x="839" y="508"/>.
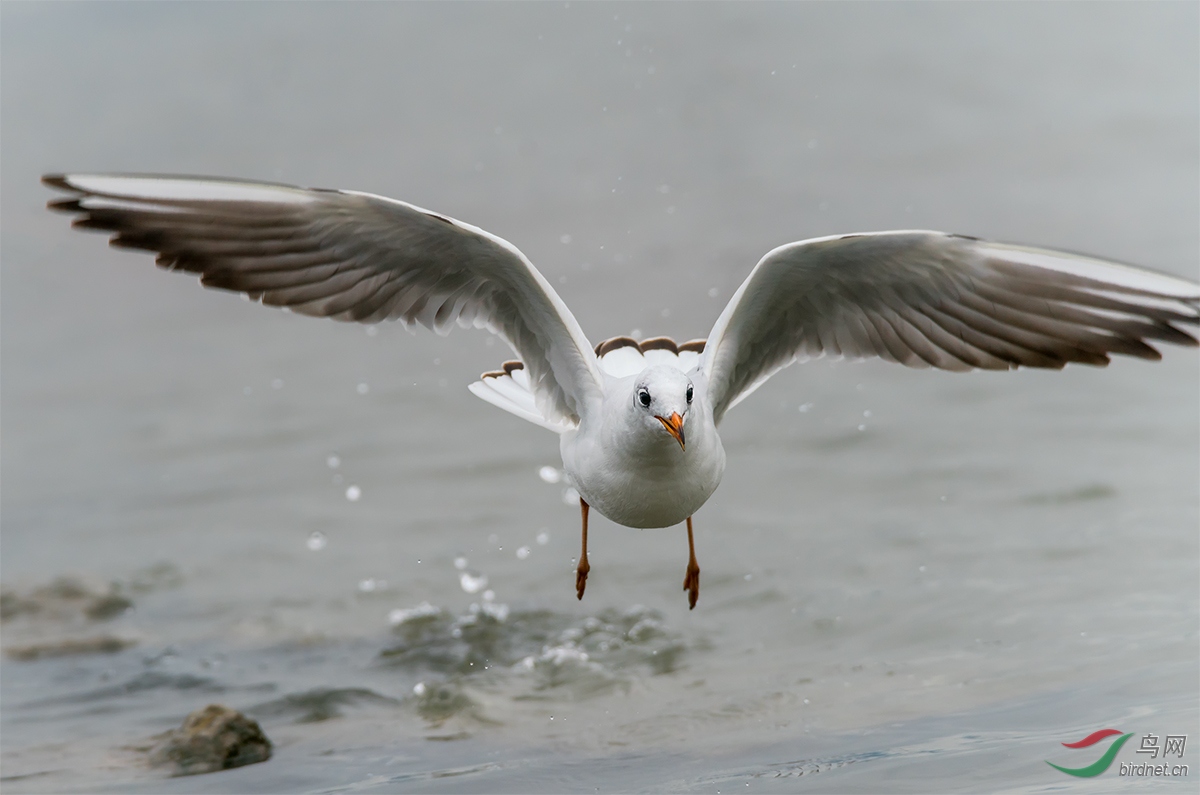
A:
<point x="912" y="581"/>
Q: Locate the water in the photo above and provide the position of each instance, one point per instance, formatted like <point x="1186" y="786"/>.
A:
<point x="912" y="581"/>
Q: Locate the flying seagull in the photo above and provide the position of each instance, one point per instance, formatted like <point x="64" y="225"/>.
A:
<point x="637" y="421"/>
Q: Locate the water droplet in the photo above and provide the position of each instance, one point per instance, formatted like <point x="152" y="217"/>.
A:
<point x="862" y="427"/>
<point x="460" y="563"/>
<point x="523" y="553"/>
<point x="333" y="462"/>
<point x="371" y="584"/>
<point x="867" y="413"/>
<point x="363" y="388"/>
<point x="920" y="568"/>
<point x="806" y="701"/>
<point x="372" y="331"/>
<point x="543" y="538"/>
<point x="748" y="577"/>
<point x="353" y="493"/>
<point x="419" y="689"/>
<point x="549" y="474"/>
<point x="570" y="496"/>
<point x="471" y="582"/>
<point x="489" y="595"/>
<point x="277" y="383"/>
<point x="665" y="312"/>
<point x="803" y="408"/>
<point x="713" y="292"/>
<point x="316" y="541"/>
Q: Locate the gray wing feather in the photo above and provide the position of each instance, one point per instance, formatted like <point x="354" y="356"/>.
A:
<point x="350" y="256"/>
<point x="928" y="299"/>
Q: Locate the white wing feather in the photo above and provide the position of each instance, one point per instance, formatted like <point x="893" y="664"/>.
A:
<point x="349" y="256"/>
<point x="928" y="299"/>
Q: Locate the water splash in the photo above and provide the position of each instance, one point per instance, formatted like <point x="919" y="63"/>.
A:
<point x="535" y="650"/>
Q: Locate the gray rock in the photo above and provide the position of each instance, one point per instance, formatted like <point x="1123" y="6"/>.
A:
<point x="211" y="739"/>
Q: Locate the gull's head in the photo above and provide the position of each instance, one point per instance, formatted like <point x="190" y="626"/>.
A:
<point x="662" y="397"/>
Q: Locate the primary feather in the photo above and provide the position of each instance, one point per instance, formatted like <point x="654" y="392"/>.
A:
<point x="928" y="299"/>
<point x="350" y="256"/>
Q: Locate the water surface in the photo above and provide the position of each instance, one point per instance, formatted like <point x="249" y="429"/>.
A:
<point x="912" y="581"/>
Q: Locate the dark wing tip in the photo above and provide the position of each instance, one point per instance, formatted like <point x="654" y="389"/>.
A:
<point x="653" y="344"/>
<point x="67" y="205"/>
<point x="508" y="368"/>
<point x="659" y="344"/>
<point x="610" y="345"/>
<point x="58" y="181"/>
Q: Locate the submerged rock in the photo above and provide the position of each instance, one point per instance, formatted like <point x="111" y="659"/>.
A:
<point x="64" y="599"/>
<point x="103" y="644"/>
<point x="322" y="703"/>
<point x="57" y="619"/>
<point x="211" y="739"/>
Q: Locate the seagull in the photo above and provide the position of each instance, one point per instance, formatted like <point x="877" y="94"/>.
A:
<point x="637" y="421"/>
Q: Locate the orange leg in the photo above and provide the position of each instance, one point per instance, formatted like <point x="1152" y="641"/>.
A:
<point x="691" y="580"/>
<point x="581" y="572"/>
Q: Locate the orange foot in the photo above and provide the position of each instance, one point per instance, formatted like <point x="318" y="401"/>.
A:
<point x="581" y="574"/>
<point x="691" y="584"/>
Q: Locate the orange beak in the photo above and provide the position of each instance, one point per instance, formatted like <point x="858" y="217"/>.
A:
<point x="674" y="426"/>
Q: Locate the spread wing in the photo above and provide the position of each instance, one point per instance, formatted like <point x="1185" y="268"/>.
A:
<point x="349" y="256"/>
<point x="928" y="299"/>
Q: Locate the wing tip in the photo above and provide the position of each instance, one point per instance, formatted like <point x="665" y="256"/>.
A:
<point x="58" y="182"/>
<point x="605" y="347"/>
<point x="616" y="343"/>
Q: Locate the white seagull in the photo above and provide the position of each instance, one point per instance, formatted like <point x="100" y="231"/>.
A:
<point x="637" y="422"/>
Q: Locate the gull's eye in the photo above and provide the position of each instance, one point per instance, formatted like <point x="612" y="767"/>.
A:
<point x="689" y="393"/>
<point x="644" y="397"/>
